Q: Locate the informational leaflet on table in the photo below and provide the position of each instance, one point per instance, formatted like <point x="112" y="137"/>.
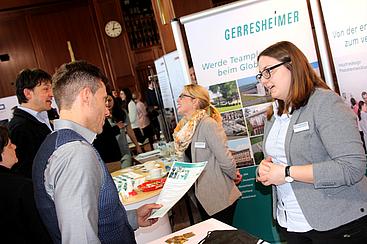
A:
<point x="180" y="178"/>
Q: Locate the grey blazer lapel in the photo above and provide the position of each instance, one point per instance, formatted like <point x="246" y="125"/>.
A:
<point x="194" y="139"/>
<point x="289" y="135"/>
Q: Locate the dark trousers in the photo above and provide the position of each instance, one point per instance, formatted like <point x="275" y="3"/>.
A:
<point x="226" y="215"/>
<point x="354" y="232"/>
<point x="149" y="133"/>
<point x="139" y="136"/>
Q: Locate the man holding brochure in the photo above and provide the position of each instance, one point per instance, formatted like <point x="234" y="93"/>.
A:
<point x="74" y="192"/>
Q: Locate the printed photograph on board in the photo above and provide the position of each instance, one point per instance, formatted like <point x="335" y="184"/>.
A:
<point x="225" y="96"/>
<point x="256" y="145"/>
<point x="234" y="124"/>
<point x="255" y="118"/>
<point x="241" y="152"/>
<point x="252" y="92"/>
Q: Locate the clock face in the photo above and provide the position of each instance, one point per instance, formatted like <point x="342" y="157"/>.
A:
<point x="113" y="28"/>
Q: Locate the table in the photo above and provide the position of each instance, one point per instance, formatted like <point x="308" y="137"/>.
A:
<point x="200" y="230"/>
<point x="159" y="229"/>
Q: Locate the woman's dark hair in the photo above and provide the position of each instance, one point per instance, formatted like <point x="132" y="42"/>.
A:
<point x="304" y="78"/>
<point x="128" y="94"/>
<point x="4" y="139"/>
<point x="118" y="113"/>
<point x="353" y="101"/>
<point x="129" y="97"/>
<point x="360" y="104"/>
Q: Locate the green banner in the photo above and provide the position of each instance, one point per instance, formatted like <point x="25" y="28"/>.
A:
<point x="254" y="209"/>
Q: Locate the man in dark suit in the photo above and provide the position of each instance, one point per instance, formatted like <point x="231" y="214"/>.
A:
<point x="30" y="125"/>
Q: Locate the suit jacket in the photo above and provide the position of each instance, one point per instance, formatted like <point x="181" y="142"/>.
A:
<point x="333" y="145"/>
<point x="19" y="221"/>
<point x="215" y="188"/>
<point x="27" y="133"/>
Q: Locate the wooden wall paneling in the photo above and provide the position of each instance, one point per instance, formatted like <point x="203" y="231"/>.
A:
<point x="164" y="23"/>
<point x="15" y="41"/>
<point x="52" y="27"/>
<point x="117" y="48"/>
<point x="17" y="4"/>
<point x="186" y="7"/>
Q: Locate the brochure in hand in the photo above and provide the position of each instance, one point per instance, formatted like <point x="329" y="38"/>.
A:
<point x="180" y="178"/>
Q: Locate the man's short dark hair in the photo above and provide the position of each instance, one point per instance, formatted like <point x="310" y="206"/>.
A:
<point x="363" y="93"/>
<point x="71" y="78"/>
<point x="29" y="79"/>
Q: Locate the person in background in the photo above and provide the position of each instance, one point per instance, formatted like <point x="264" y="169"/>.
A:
<point x="74" y="192"/>
<point x="362" y="122"/>
<point x="354" y="105"/>
<point x="130" y="107"/>
<point x="314" y="155"/>
<point x="118" y="116"/>
<point x="106" y="142"/>
<point x="19" y="221"/>
<point x="115" y="93"/>
<point x="200" y="137"/>
<point x="30" y="124"/>
<point x="192" y="75"/>
<point x="153" y="108"/>
<point x="364" y="96"/>
<point x="143" y="119"/>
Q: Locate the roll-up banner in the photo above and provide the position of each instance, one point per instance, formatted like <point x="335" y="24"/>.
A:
<point x="224" y="44"/>
<point x="346" y="26"/>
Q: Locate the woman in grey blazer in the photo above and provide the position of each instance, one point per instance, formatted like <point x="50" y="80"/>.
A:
<point x="200" y="137"/>
<point x="314" y="155"/>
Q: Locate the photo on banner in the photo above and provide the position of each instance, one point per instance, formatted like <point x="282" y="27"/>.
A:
<point x="241" y="152"/>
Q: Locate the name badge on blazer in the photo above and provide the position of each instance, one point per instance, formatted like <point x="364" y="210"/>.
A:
<point x="301" y="127"/>
<point x="199" y="144"/>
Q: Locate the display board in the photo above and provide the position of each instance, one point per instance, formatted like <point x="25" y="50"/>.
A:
<point x="224" y="46"/>
<point x="346" y="26"/>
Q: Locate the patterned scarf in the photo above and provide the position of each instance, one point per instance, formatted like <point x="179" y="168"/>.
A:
<point x="185" y="130"/>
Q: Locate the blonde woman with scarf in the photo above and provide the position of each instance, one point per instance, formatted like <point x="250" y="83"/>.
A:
<point x="200" y="137"/>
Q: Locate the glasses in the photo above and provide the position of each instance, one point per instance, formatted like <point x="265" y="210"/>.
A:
<point x="184" y="95"/>
<point x="266" y="73"/>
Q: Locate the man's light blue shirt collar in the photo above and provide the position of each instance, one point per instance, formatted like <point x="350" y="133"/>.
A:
<point x="81" y="130"/>
<point x="40" y="116"/>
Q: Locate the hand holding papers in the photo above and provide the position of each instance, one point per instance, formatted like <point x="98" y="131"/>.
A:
<point x="180" y="178"/>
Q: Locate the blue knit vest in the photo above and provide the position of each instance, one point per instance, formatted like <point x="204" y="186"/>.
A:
<point x="113" y="225"/>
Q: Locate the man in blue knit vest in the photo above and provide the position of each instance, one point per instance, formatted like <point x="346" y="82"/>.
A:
<point x="74" y="192"/>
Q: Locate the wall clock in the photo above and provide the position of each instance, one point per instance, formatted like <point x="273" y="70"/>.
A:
<point x="113" y="28"/>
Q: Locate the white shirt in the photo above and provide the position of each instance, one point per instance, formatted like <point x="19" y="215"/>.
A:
<point x="133" y="115"/>
<point x="289" y="213"/>
<point x="40" y="116"/>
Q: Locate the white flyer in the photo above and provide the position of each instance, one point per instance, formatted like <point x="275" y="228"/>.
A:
<point x="180" y="178"/>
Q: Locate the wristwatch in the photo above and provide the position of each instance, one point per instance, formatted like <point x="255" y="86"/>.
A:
<point x="288" y="177"/>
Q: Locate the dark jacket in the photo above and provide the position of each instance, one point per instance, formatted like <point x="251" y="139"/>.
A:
<point x="27" y="133"/>
<point x="106" y="143"/>
<point x="19" y="221"/>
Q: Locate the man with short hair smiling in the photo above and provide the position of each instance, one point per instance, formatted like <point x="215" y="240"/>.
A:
<point x="30" y="125"/>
